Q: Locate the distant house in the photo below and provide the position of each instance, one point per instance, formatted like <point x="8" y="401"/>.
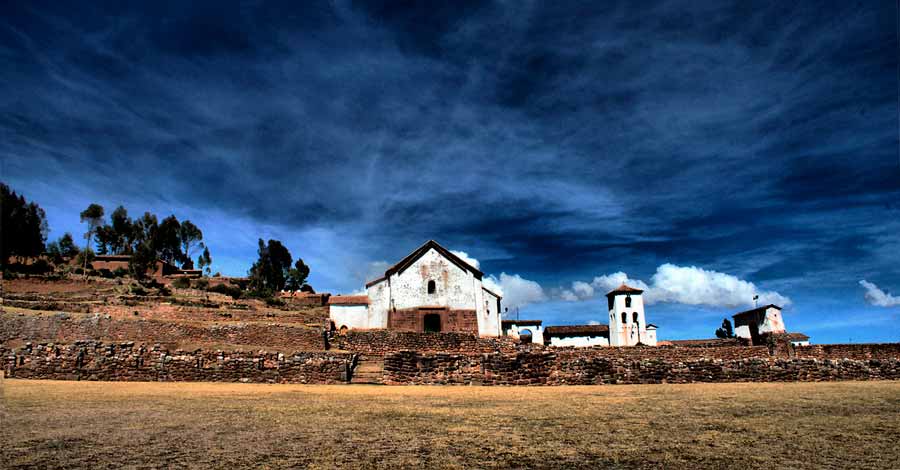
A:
<point x="161" y="270"/>
<point x="578" y="336"/>
<point x="526" y="331"/>
<point x="430" y="290"/>
<point x="757" y="323"/>
<point x="351" y="312"/>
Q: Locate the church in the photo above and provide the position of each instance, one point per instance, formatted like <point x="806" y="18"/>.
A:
<point x="430" y="290"/>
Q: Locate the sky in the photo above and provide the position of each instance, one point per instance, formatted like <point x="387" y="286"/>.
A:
<point x="706" y="151"/>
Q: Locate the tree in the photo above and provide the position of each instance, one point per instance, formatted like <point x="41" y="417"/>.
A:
<point x="63" y="248"/>
<point x="268" y="273"/>
<point x="190" y="236"/>
<point x="23" y="226"/>
<point x="168" y="240"/>
<point x="93" y="216"/>
<point x="725" y="331"/>
<point x="296" y="279"/>
<point x="143" y="239"/>
<point x="122" y="230"/>
<point x="204" y="261"/>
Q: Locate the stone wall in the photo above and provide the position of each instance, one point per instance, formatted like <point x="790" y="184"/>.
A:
<point x="848" y="351"/>
<point x="380" y="342"/>
<point x="92" y="360"/>
<point x="413" y="319"/>
<point x="67" y="328"/>
<point x="641" y="365"/>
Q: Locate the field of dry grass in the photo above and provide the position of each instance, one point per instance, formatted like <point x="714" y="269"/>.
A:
<point x="798" y="425"/>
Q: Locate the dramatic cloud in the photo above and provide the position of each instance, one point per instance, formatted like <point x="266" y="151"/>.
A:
<point x="554" y="140"/>
<point x="468" y="259"/>
<point x="516" y="291"/>
<point x="688" y="285"/>
<point x="877" y="297"/>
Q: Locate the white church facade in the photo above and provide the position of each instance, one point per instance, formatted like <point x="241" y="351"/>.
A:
<point x="430" y="290"/>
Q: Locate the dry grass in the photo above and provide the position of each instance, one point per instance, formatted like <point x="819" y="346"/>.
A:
<point x="78" y="424"/>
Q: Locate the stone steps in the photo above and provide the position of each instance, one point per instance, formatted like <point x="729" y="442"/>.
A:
<point x="368" y="370"/>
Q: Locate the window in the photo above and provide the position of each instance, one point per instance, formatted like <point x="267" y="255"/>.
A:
<point x="635" y="317"/>
<point x="431" y="287"/>
<point x="624" y="318"/>
<point x="627" y="301"/>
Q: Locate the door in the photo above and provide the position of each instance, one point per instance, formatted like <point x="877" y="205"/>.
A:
<point x="432" y="322"/>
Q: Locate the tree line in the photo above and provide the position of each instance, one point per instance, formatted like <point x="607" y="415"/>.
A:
<point x="23" y="229"/>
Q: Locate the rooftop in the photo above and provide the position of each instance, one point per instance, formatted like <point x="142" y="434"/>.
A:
<point x="348" y="300"/>
<point x="577" y="330"/>
<point x="756" y="310"/>
<point x="624" y="289"/>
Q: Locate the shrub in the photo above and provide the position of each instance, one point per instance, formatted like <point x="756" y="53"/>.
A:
<point x="165" y="291"/>
<point x="106" y="273"/>
<point x="274" y="302"/>
<point x="181" y="283"/>
<point x="234" y="291"/>
<point x="120" y="272"/>
<point x="201" y="283"/>
<point x="138" y="290"/>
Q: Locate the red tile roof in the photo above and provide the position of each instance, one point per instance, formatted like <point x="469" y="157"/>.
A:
<point x="348" y="300"/>
<point x="577" y="330"/>
<point x="623" y="289"/>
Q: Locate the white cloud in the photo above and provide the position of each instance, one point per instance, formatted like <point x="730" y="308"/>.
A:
<point x="680" y="284"/>
<point x="696" y="286"/>
<point x="877" y="297"/>
<point x="593" y="322"/>
<point x="515" y="290"/>
<point x="468" y="259"/>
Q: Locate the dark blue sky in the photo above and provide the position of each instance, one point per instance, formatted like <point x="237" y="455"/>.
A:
<point x="707" y="151"/>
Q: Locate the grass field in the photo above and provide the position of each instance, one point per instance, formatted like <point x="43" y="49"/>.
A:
<point x="798" y="425"/>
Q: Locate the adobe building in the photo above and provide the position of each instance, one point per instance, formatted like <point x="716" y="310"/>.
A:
<point x="526" y="331"/>
<point x="755" y="324"/>
<point x="430" y="290"/>
<point x="579" y="336"/>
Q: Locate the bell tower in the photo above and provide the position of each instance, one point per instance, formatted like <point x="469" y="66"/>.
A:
<point x="627" y="324"/>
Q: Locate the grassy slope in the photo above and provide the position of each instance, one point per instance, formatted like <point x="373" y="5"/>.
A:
<point x="797" y="425"/>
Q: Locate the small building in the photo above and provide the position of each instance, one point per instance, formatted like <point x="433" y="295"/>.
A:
<point x="350" y="312"/>
<point x="752" y="324"/>
<point x="797" y="339"/>
<point x="526" y="331"/>
<point x="430" y="290"/>
<point x="578" y="336"/>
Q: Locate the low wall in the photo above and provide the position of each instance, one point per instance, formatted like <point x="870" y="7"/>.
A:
<point x="65" y="328"/>
<point x="380" y="342"/>
<point x="92" y="360"/>
<point x="639" y="365"/>
<point x="849" y="351"/>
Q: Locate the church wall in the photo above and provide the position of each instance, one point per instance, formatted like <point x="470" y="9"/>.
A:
<point x="489" y="324"/>
<point x="379" y="304"/>
<point x="454" y="286"/>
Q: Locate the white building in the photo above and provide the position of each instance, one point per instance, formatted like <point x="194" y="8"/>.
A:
<point x="578" y="336"/>
<point x="627" y="323"/>
<point x="750" y="324"/>
<point x="430" y="290"/>
<point x="530" y="331"/>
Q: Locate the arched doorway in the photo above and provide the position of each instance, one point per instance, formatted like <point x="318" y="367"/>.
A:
<point x="525" y="336"/>
<point x="432" y="322"/>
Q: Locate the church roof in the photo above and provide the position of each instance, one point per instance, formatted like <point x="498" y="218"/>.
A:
<point x="624" y="289"/>
<point x="756" y="310"/>
<point x="492" y="292"/>
<point x="418" y="253"/>
<point x="348" y="300"/>
<point x="577" y="330"/>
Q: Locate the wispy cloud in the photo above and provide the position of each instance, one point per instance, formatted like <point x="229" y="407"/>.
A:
<point x="877" y="297"/>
